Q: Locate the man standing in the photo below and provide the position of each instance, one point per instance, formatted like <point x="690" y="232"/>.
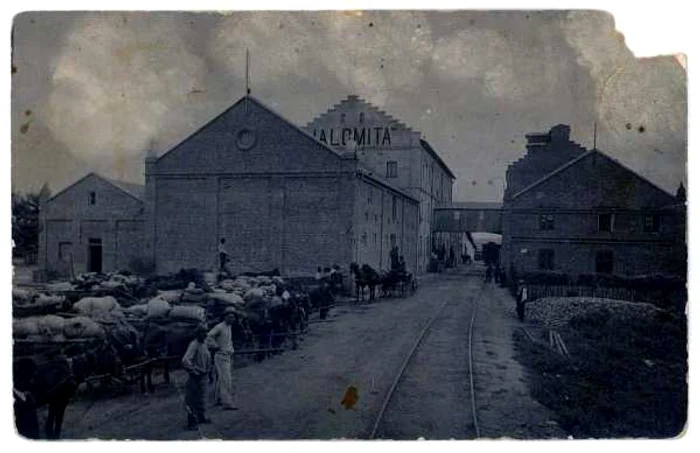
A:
<point x="220" y="341"/>
<point x="223" y="256"/>
<point x="26" y="419"/>
<point x="521" y="298"/>
<point x="196" y="362"/>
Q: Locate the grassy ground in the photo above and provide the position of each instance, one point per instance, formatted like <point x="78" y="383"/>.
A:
<point x="623" y="379"/>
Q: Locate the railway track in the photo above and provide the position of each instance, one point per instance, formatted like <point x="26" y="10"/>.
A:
<point x="399" y="379"/>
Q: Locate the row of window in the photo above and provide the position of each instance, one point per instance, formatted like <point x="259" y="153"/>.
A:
<point x="604" y="261"/>
<point x="606" y="222"/>
<point x="390" y="239"/>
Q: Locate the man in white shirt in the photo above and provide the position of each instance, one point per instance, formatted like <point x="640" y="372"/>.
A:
<point x="220" y="341"/>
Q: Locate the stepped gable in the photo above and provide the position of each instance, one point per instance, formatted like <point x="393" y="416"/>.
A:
<point x="357" y="103"/>
<point x="546" y="152"/>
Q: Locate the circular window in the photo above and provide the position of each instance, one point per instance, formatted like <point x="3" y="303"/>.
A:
<point x="245" y="139"/>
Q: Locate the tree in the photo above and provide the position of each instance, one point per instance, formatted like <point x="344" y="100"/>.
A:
<point x="25" y="223"/>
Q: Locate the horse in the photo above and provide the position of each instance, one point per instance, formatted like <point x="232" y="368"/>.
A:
<point x="55" y="377"/>
<point x="360" y="282"/>
<point x="365" y="277"/>
<point x="390" y="283"/>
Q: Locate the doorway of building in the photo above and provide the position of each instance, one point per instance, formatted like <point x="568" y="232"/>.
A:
<point x="95" y="255"/>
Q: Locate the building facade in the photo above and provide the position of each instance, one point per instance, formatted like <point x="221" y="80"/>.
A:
<point x="94" y="225"/>
<point x="391" y="149"/>
<point x="279" y="197"/>
<point x="590" y="215"/>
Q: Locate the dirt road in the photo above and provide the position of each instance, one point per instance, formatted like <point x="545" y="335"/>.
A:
<point x="297" y="394"/>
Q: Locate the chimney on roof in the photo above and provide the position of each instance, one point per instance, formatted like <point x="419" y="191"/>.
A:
<point x="560" y="133"/>
<point x="680" y="194"/>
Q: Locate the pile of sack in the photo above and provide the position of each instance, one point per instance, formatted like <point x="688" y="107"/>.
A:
<point x="192" y="294"/>
<point x="56" y="328"/>
<point x="99" y="307"/>
<point x="159" y="308"/>
<point x="113" y="281"/>
<point x="30" y="298"/>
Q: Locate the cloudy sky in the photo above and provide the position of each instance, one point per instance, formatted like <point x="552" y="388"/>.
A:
<point x="95" y="91"/>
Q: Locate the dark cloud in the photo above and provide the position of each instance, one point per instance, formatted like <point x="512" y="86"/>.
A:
<point x="104" y="87"/>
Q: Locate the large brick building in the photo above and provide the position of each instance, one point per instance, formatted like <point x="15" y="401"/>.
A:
<point x="589" y="214"/>
<point x="281" y="198"/>
<point x="393" y="150"/>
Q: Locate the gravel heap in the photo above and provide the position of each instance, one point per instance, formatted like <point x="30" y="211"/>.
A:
<point x="556" y="312"/>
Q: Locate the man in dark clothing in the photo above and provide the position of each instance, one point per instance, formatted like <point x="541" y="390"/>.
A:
<point x="196" y="362"/>
<point x="521" y="298"/>
<point x="489" y="274"/>
<point x="394" y="258"/>
<point x="26" y="418"/>
<point x="326" y="300"/>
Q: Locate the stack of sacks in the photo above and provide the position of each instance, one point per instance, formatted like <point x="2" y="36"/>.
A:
<point x="140" y="310"/>
<point x="82" y="327"/>
<point x="188" y="312"/>
<point x="210" y="278"/>
<point x="193" y="294"/>
<point x="227" y="285"/>
<point x="45" y="300"/>
<point x="157" y="308"/>
<point x="59" y="287"/>
<point x="96" y="306"/>
<point x="227" y="298"/>
<point x="112" y="285"/>
<point x="264" y="280"/>
<point x="39" y="328"/>
<point x="171" y="296"/>
<point x="25" y="327"/>
<point x="254" y="295"/>
<point x="51" y="326"/>
<point x="23" y="296"/>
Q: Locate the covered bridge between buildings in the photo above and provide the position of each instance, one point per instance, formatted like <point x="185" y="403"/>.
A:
<point x="454" y="223"/>
<point x="468" y="217"/>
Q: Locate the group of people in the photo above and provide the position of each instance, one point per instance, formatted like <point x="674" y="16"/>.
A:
<point x="213" y="349"/>
<point x="493" y="273"/>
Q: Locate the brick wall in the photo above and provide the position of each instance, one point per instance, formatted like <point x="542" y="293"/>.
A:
<point x="70" y="219"/>
<point x="572" y="202"/>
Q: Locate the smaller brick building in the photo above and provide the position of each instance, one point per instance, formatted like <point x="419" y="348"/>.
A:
<point x="93" y="225"/>
<point x="590" y="215"/>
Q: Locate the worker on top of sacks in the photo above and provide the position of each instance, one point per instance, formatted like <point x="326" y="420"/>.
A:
<point x="223" y="257"/>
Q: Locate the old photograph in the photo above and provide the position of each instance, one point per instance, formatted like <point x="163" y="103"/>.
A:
<point x="361" y="225"/>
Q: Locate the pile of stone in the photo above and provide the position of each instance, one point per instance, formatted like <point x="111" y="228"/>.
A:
<point x="557" y="312"/>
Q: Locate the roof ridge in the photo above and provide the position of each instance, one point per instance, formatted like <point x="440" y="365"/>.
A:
<point x="95" y="174"/>
<point x="262" y="106"/>
<point x="578" y="159"/>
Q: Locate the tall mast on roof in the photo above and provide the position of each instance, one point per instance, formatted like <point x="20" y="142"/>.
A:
<point x="247" y="78"/>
